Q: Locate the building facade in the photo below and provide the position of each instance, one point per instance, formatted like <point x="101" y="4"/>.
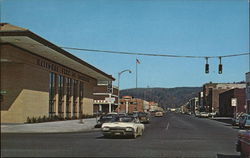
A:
<point x="128" y="104"/>
<point x="248" y="92"/>
<point x="226" y="108"/>
<point x="211" y="92"/>
<point x="40" y="79"/>
<point x="101" y="95"/>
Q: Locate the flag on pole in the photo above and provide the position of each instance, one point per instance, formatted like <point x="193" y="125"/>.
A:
<point x="137" y="61"/>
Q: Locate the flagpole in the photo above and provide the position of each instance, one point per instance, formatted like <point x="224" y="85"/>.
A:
<point x="136" y="63"/>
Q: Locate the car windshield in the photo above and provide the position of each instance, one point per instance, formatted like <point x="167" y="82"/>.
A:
<point x="107" y="117"/>
<point x="125" y="119"/>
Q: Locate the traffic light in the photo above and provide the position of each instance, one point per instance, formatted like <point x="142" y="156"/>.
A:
<point x="207" y="66"/>
<point x="220" y="67"/>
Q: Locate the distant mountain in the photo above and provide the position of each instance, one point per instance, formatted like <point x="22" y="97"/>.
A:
<point x="166" y="97"/>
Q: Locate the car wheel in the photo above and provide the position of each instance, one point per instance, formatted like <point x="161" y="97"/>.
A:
<point x="141" y="132"/>
<point x="135" y="134"/>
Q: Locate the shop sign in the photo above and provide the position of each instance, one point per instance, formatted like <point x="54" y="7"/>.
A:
<point x="234" y="101"/>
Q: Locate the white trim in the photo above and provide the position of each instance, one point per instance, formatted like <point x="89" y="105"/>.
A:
<point x="105" y="94"/>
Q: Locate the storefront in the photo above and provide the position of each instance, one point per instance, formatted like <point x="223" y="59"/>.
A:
<point x="39" y="78"/>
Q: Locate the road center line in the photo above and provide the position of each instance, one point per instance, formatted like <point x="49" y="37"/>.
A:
<point x="167" y="126"/>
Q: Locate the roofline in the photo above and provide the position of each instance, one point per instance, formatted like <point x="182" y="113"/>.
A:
<point x="52" y="46"/>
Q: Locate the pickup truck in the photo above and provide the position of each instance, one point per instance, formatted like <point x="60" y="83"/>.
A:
<point x="243" y="143"/>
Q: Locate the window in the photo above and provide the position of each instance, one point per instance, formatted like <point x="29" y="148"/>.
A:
<point x="52" y="92"/>
<point x="60" y="94"/>
<point x="75" y="95"/>
<point x="81" y="95"/>
<point x="68" y="83"/>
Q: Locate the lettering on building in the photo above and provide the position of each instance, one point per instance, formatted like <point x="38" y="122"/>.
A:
<point x="63" y="71"/>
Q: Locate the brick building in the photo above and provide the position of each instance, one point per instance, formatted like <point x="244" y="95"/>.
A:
<point x="211" y="92"/>
<point x="129" y="104"/>
<point x="40" y="79"/>
<point x="100" y="93"/>
<point x="225" y="107"/>
<point x="248" y="92"/>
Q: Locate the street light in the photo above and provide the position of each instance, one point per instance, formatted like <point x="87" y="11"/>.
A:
<point x="119" y="74"/>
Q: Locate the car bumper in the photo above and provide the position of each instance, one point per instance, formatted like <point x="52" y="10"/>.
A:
<point x="118" y="133"/>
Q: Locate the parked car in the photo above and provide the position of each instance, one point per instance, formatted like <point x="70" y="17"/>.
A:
<point x="159" y="114"/>
<point x="123" y="126"/>
<point x="242" y="120"/>
<point x="204" y="114"/>
<point x="197" y="114"/>
<point x="246" y="121"/>
<point x="212" y="114"/>
<point x="106" y="118"/>
<point x="144" y="117"/>
<point x="243" y="143"/>
<point x="235" y="120"/>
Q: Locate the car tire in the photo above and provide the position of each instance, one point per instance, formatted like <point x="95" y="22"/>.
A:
<point x="135" y="134"/>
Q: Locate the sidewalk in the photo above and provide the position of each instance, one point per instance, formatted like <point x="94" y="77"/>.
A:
<point x="225" y="120"/>
<point x="51" y="127"/>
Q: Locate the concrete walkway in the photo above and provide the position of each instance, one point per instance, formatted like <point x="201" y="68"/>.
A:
<point x="51" y="127"/>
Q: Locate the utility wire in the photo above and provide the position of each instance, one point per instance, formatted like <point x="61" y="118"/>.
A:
<point x="144" y="54"/>
<point x="141" y="54"/>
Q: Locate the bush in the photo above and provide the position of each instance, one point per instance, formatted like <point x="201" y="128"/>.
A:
<point x="45" y="119"/>
<point x="39" y="119"/>
<point x="33" y="120"/>
<point x="28" y="120"/>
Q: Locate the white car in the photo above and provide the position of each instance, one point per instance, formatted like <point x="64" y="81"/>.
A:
<point x="204" y="114"/>
<point x="123" y="126"/>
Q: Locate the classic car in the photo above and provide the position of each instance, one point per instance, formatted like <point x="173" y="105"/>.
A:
<point x="204" y="114"/>
<point x="123" y="126"/>
<point x="246" y="121"/>
<point x="243" y="143"/>
<point x="105" y="118"/>
<point x="159" y="114"/>
<point x="143" y="117"/>
<point x="242" y="119"/>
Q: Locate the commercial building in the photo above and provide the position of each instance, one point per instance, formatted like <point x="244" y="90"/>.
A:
<point x="211" y="92"/>
<point x="225" y="105"/>
<point x="248" y="92"/>
<point x="128" y="104"/>
<point x="194" y="103"/>
<point x="102" y="94"/>
<point x="201" y="107"/>
<point x="39" y="78"/>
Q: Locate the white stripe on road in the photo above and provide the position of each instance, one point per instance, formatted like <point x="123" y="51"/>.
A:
<point x="167" y="126"/>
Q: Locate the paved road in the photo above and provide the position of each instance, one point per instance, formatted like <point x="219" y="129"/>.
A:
<point x="174" y="135"/>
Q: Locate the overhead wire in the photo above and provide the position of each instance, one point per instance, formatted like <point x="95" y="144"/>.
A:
<point x="146" y="54"/>
<point x="141" y="54"/>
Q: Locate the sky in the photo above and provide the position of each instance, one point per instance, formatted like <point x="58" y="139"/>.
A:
<point x="177" y="27"/>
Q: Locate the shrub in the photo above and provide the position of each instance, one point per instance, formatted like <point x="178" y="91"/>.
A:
<point x="28" y="120"/>
<point x="44" y="119"/>
<point x="33" y="120"/>
<point x="39" y="119"/>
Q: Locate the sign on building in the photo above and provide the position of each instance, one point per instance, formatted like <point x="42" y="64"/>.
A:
<point x="234" y="102"/>
<point x="110" y="100"/>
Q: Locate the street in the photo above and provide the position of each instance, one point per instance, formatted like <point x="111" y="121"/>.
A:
<point x="174" y="135"/>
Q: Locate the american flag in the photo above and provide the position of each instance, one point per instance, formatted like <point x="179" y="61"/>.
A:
<point x="137" y="61"/>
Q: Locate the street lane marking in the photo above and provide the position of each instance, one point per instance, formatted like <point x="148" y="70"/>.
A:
<point x="167" y="126"/>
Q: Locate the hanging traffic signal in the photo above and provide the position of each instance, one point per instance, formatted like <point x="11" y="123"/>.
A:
<point x="220" y="67"/>
<point x="207" y="66"/>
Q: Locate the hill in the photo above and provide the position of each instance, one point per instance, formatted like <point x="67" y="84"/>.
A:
<point x="166" y="97"/>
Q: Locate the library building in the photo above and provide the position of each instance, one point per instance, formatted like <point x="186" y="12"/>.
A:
<point x="41" y="79"/>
